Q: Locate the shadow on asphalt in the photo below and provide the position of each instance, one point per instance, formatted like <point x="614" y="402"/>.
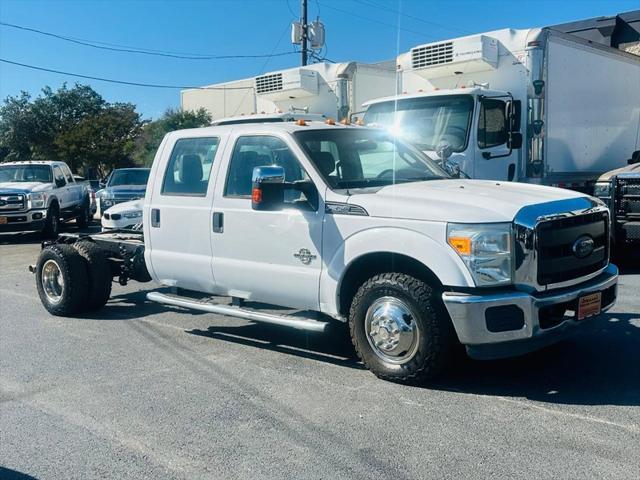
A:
<point x="599" y="367"/>
<point x="35" y="238"/>
<point x="8" y="474"/>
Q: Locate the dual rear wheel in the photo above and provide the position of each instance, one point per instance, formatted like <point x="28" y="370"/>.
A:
<point x="72" y="279"/>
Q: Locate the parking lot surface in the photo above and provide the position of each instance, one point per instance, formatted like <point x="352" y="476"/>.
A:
<point x="141" y="390"/>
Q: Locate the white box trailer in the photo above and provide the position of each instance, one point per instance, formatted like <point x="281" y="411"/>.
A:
<point x="578" y="105"/>
<point x="331" y="89"/>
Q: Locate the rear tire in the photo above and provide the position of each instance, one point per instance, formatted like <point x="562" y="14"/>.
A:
<point x="62" y="280"/>
<point x="52" y="222"/>
<point x="84" y="219"/>
<point x="99" y="272"/>
<point x="400" y="329"/>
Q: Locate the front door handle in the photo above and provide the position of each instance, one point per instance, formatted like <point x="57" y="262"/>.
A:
<point x="155" y="217"/>
<point x="218" y="222"/>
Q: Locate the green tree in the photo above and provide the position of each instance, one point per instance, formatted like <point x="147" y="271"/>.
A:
<point x="153" y="132"/>
<point x="75" y="125"/>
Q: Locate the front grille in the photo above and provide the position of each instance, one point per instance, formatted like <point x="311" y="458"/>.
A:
<point x="628" y="198"/>
<point x="430" y="55"/>
<point x="269" y="83"/>
<point x="12" y="202"/>
<point x="557" y="261"/>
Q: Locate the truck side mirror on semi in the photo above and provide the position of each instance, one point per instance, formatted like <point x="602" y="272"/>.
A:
<point x="635" y="158"/>
<point x="514" y="142"/>
<point x="513" y="114"/>
<point x="267" y="191"/>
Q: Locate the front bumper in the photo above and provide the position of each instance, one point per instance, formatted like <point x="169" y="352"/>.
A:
<point x="23" y="221"/>
<point x="513" y="323"/>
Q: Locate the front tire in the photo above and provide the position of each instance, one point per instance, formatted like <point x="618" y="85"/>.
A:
<point x="52" y="222"/>
<point x="400" y="329"/>
<point x="62" y="280"/>
<point x="84" y="219"/>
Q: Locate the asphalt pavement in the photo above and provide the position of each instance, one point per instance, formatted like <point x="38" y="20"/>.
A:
<point x="140" y="390"/>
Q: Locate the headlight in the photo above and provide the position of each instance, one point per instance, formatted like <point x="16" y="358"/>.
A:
<point x="132" y="214"/>
<point x="37" y="200"/>
<point x="602" y="190"/>
<point x="485" y="249"/>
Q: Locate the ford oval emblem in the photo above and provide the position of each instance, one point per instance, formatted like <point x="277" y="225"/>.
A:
<point x="583" y="246"/>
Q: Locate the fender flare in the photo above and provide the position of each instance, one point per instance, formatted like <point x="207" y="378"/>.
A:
<point x="445" y="264"/>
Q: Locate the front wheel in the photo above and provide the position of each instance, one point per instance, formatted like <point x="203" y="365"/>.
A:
<point x="400" y="329"/>
<point x="52" y="222"/>
<point x="84" y="218"/>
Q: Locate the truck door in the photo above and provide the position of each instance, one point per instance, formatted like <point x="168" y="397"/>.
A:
<point x="74" y="189"/>
<point x="180" y="214"/>
<point x="266" y="256"/>
<point x="493" y="159"/>
<point x="61" y="189"/>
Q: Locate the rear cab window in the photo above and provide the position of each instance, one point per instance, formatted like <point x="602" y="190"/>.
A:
<point x="189" y="167"/>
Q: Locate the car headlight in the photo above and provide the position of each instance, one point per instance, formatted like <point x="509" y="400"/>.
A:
<point x="486" y="250"/>
<point x="37" y="200"/>
<point x="132" y="214"/>
<point x="602" y="190"/>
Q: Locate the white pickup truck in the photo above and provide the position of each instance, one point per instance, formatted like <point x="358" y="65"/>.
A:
<point x="38" y="195"/>
<point x="348" y="224"/>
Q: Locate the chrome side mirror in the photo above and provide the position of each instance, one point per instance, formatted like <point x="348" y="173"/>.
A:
<point x="267" y="190"/>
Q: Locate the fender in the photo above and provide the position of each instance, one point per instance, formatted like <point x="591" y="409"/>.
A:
<point x="439" y="258"/>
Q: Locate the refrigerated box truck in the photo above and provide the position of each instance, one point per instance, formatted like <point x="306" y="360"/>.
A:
<point x="535" y="105"/>
<point x="331" y="89"/>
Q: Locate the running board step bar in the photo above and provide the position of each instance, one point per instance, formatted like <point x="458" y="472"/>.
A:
<point x="299" y="323"/>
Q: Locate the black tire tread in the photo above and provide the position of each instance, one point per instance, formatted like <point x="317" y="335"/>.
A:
<point x="99" y="272"/>
<point x="47" y="231"/>
<point x="84" y="219"/>
<point x="441" y="334"/>
<point x="75" y="274"/>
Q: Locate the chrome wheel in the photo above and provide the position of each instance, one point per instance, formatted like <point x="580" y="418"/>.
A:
<point x="52" y="281"/>
<point x="392" y="330"/>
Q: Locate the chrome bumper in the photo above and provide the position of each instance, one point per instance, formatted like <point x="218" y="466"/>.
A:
<point x="23" y="221"/>
<point x="470" y="320"/>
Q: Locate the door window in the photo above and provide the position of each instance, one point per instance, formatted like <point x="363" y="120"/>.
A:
<point x="259" y="151"/>
<point x="492" y="125"/>
<point x="58" y="176"/>
<point x="189" y="167"/>
<point x="67" y="173"/>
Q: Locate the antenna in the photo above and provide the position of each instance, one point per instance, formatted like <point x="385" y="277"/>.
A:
<point x="303" y="33"/>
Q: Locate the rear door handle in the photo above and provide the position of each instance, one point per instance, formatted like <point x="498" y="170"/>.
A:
<point x="218" y="222"/>
<point x="155" y="217"/>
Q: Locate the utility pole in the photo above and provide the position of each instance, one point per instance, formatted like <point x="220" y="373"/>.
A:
<point x="305" y="32"/>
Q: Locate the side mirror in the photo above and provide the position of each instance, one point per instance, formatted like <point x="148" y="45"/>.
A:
<point x="635" y="158"/>
<point x="443" y="150"/>
<point x="267" y="191"/>
<point x="514" y="141"/>
<point x="513" y="114"/>
<point x="60" y="182"/>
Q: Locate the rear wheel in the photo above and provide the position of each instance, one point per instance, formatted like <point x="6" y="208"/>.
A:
<point x="399" y="328"/>
<point x="62" y="280"/>
<point x="52" y="222"/>
<point x="84" y="218"/>
<point x="99" y="271"/>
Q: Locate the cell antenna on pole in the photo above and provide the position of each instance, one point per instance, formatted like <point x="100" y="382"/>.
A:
<point x="310" y="36"/>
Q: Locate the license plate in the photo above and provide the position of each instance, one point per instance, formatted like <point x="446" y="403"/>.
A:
<point x="3" y="220"/>
<point x="589" y="305"/>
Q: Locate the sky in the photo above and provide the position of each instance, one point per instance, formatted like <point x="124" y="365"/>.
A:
<point x="361" y="30"/>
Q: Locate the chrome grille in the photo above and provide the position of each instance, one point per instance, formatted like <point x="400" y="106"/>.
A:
<point x="429" y="55"/>
<point x="12" y="202"/>
<point x="544" y="236"/>
<point x="628" y="198"/>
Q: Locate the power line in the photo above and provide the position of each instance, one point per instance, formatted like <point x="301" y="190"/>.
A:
<point x="140" y="51"/>
<point x="373" y="20"/>
<point x="370" y="3"/>
<point x="121" y="82"/>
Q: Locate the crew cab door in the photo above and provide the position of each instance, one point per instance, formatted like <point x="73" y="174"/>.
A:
<point x="61" y="191"/>
<point x="267" y="256"/>
<point x="178" y="215"/>
<point x="74" y="189"/>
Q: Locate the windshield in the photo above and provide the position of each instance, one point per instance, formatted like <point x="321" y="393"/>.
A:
<point x="129" y="177"/>
<point x="426" y="122"/>
<point x="358" y="158"/>
<point x="25" y="173"/>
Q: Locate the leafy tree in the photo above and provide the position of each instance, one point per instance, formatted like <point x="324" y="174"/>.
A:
<point x="153" y="132"/>
<point x="75" y="125"/>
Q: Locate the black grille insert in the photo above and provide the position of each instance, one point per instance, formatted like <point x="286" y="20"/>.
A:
<point x="557" y="262"/>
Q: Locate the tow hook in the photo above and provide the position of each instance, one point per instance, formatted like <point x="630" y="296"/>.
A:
<point x="32" y="268"/>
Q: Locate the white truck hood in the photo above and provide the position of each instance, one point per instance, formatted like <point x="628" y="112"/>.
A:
<point x="26" y="187"/>
<point x="463" y="201"/>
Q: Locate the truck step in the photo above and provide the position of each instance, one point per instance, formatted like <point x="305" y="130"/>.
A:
<point x="299" y="323"/>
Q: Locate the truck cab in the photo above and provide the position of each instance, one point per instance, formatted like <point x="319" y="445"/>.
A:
<point x="475" y="130"/>
<point x="326" y="223"/>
